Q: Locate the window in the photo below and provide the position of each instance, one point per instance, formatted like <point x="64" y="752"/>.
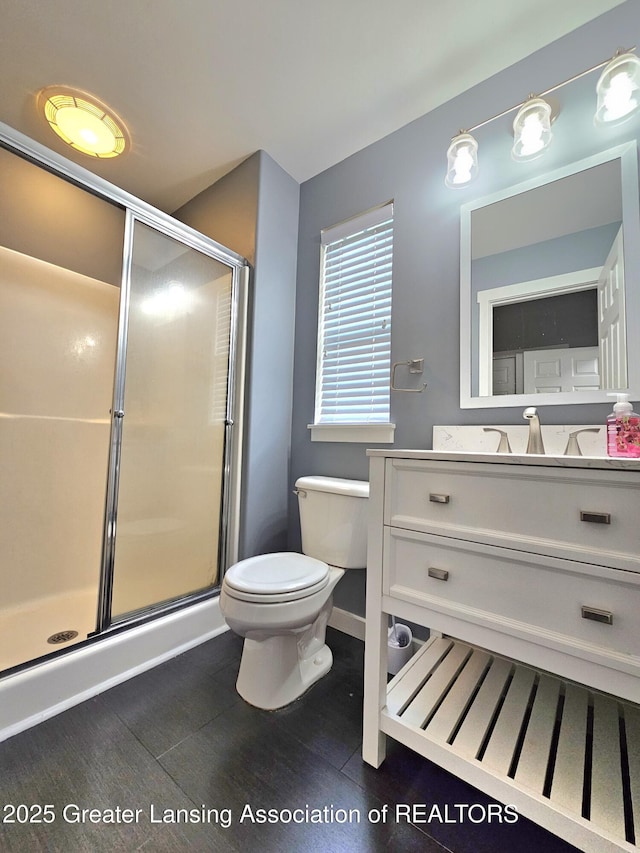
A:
<point x="354" y="330"/>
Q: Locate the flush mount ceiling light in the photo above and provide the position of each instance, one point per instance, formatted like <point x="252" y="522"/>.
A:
<point x="531" y="129"/>
<point x="84" y="122"/>
<point x="462" y="160"/>
<point x="618" y="92"/>
<point x="618" y="89"/>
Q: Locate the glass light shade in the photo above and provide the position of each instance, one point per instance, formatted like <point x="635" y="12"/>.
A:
<point x="462" y="160"/>
<point x="618" y="89"/>
<point x="83" y="122"/>
<point x="531" y="129"/>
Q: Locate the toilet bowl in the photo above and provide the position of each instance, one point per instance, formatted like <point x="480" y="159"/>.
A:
<point x="283" y="623"/>
<point x="280" y="603"/>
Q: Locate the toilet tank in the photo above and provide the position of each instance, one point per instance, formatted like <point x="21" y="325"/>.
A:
<point x="333" y="520"/>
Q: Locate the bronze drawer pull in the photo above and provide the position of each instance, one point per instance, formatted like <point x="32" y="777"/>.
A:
<point x="596" y="615"/>
<point x="595" y="517"/>
<point x="438" y="499"/>
<point x="438" y="574"/>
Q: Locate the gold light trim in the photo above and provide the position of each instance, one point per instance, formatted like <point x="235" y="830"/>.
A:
<point x="84" y="123"/>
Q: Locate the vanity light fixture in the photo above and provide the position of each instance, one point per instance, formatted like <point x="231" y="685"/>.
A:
<point x="531" y="129"/>
<point x="462" y="160"/>
<point x="618" y="92"/>
<point x="83" y="122"/>
<point x="618" y="89"/>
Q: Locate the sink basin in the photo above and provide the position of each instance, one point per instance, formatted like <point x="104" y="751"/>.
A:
<point x="466" y="438"/>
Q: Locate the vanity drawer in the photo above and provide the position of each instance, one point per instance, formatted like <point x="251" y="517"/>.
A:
<point x="581" y="514"/>
<point x="509" y="590"/>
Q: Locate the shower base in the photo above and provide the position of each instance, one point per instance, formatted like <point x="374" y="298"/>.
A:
<point x="36" y="693"/>
<point x="25" y="628"/>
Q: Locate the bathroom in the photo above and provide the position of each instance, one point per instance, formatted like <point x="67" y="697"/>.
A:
<point x="408" y="167"/>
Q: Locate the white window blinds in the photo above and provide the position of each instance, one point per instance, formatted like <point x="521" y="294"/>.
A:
<point x="354" y="330"/>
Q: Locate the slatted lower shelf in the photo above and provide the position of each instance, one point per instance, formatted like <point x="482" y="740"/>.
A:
<point x="559" y="743"/>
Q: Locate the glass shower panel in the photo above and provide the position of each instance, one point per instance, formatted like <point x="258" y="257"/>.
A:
<point x="169" y="505"/>
<point x="60" y="270"/>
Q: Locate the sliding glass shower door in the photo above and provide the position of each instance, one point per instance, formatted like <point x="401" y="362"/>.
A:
<point x="170" y="424"/>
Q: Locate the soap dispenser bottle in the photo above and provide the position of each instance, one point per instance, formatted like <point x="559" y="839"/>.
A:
<point x="623" y="429"/>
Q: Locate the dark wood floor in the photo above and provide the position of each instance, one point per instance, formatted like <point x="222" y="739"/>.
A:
<point x="179" y="738"/>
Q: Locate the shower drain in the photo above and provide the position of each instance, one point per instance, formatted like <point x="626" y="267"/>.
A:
<point x="62" y="637"/>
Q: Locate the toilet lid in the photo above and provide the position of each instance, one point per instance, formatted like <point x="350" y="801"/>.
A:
<point x="273" y="574"/>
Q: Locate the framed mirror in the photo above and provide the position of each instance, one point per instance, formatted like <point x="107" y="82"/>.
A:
<point x="545" y="315"/>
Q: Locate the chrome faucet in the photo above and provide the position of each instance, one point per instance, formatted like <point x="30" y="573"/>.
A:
<point x="534" y="445"/>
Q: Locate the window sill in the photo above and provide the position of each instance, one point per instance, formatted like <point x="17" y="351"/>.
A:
<point x="361" y="433"/>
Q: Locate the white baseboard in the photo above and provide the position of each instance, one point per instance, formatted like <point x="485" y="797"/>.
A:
<point x="347" y="622"/>
<point x="44" y="690"/>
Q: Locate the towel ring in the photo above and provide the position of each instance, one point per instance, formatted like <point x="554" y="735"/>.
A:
<point x="415" y="365"/>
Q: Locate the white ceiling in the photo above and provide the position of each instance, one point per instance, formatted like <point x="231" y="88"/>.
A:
<point x="202" y="84"/>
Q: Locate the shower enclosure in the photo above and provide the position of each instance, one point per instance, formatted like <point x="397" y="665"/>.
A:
<point x="121" y="365"/>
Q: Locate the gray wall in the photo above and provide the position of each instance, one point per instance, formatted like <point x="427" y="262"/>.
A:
<point x="254" y="211"/>
<point x="270" y="380"/>
<point x="409" y="167"/>
<point x="227" y="211"/>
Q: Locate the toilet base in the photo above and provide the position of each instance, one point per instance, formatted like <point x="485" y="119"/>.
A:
<point x="273" y="673"/>
<point x="284" y="649"/>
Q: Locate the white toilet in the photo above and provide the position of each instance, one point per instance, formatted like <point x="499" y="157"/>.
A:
<point x="280" y="603"/>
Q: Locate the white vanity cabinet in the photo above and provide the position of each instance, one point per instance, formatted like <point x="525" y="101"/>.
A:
<point x="526" y="570"/>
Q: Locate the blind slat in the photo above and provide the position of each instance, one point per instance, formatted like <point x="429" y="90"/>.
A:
<point x="368" y="253"/>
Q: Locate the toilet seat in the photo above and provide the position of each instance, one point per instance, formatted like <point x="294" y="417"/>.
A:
<point x="275" y="578"/>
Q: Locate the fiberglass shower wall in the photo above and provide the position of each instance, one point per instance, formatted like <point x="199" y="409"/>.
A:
<point x="119" y="458"/>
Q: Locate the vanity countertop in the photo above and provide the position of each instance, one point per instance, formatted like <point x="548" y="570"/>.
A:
<point x="602" y="462"/>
